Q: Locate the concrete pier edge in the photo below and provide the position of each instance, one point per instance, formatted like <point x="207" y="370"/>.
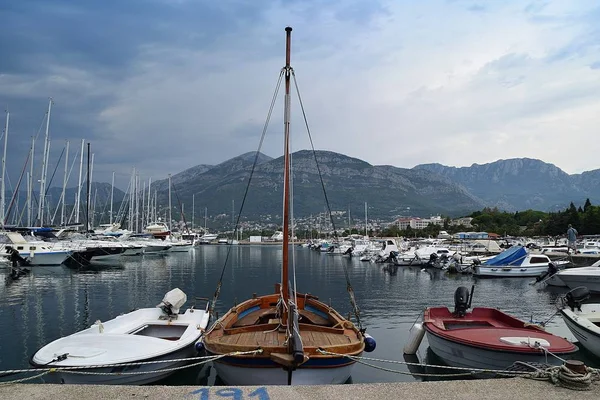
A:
<point x="490" y="389"/>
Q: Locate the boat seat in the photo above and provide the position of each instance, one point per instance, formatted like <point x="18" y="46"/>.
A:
<point x="314" y="319"/>
<point x="253" y="318"/>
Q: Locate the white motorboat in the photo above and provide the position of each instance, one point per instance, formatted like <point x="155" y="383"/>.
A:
<point x="582" y="276"/>
<point x="583" y="320"/>
<point x="515" y="262"/>
<point x="36" y="252"/>
<point x="147" y="334"/>
<point x="181" y="246"/>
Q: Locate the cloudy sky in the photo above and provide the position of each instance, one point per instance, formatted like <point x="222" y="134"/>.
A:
<point x="163" y="85"/>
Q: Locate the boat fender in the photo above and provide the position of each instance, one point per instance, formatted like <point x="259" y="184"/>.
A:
<point x="199" y="346"/>
<point x="416" y="337"/>
<point x="370" y="343"/>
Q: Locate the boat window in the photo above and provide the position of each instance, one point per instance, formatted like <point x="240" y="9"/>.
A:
<point x="19" y="247"/>
<point x="167" y="332"/>
<point x="32" y="248"/>
<point x="539" y="260"/>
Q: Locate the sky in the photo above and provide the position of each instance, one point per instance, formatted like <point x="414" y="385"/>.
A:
<point x="164" y="85"/>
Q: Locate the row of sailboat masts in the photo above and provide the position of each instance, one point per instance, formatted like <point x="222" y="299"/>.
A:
<point x="142" y="203"/>
<point x="44" y="212"/>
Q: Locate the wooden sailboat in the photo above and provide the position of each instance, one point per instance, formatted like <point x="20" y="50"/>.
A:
<point x="296" y="334"/>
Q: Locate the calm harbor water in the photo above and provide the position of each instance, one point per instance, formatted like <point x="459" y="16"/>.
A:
<point x="55" y="301"/>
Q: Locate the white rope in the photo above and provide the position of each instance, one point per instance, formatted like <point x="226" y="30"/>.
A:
<point x="75" y="368"/>
<point x="559" y="375"/>
<point x="358" y="358"/>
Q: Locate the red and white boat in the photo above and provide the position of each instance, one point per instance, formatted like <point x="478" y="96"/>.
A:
<point x="158" y="230"/>
<point x="487" y="338"/>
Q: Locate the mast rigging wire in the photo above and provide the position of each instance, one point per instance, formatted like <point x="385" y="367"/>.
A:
<point x="237" y="222"/>
<point x="348" y="284"/>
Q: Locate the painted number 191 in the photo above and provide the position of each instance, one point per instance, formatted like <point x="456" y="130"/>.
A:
<point x="232" y="393"/>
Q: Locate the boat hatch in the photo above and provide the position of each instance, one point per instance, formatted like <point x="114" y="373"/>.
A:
<point x="466" y="324"/>
<point x="167" y="332"/>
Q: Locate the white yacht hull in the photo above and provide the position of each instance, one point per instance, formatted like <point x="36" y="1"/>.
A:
<point x="573" y="279"/>
<point x="181" y="248"/>
<point x="156" y="249"/>
<point x="46" y="258"/>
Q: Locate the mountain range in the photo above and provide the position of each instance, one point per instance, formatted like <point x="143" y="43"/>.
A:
<point x="514" y="184"/>
<point x="522" y="183"/>
<point x="390" y="192"/>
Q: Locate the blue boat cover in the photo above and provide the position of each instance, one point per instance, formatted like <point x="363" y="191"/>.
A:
<point x="513" y="256"/>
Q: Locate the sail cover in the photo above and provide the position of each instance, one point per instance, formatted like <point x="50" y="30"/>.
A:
<point x="512" y="256"/>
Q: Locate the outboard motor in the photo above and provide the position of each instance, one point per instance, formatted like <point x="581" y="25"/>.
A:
<point x="576" y="297"/>
<point x="476" y="262"/>
<point x="172" y="302"/>
<point x="461" y="301"/>
<point x="552" y="268"/>
<point x="432" y="259"/>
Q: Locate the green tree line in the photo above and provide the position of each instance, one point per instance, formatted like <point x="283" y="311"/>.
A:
<point x="585" y="219"/>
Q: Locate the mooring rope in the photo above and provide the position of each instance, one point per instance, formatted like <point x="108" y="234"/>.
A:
<point x="559" y="375"/>
<point x="80" y="369"/>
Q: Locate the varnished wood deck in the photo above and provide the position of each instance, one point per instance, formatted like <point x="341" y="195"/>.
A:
<point x="254" y="324"/>
<point x="275" y="338"/>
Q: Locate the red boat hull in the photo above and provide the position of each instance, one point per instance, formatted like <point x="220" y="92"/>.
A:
<point x="489" y="338"/>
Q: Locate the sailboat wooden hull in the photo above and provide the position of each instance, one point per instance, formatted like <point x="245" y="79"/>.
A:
<point x="254" y="324"/>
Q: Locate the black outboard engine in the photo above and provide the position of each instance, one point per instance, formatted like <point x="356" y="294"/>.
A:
<point x="476" y="261"/>
<point x="552" y="268"/>
<point x="432" y="259"/>
<point x="576" y="297"/>
<point x="461" y="301"/>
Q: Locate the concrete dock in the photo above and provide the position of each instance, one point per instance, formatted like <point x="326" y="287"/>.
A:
<point x="491" y="389"/>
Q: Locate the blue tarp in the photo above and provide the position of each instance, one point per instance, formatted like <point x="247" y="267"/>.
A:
<point x="513" y="256"/>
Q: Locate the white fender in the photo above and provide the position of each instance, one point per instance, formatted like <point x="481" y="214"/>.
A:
<point x="416" y="337"/>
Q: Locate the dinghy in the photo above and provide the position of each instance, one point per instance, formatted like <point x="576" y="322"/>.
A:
<point x="487" y="338"/>
<point x="147" y="334"/>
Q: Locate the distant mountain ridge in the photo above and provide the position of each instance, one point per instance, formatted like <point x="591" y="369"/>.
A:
<point x="512" y="185"/>
<point x="522" y="183"/>
<point x="350" y="182"/>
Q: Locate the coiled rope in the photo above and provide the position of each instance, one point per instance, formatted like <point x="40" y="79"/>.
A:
<point x="563" y="376"/>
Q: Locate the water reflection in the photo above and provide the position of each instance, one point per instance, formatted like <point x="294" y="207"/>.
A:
<point x="52" y="302"/>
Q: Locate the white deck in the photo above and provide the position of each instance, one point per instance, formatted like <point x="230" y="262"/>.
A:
<point x="117" y="343"/>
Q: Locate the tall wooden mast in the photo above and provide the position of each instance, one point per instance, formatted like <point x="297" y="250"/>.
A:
<point x="286" y="176"/>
